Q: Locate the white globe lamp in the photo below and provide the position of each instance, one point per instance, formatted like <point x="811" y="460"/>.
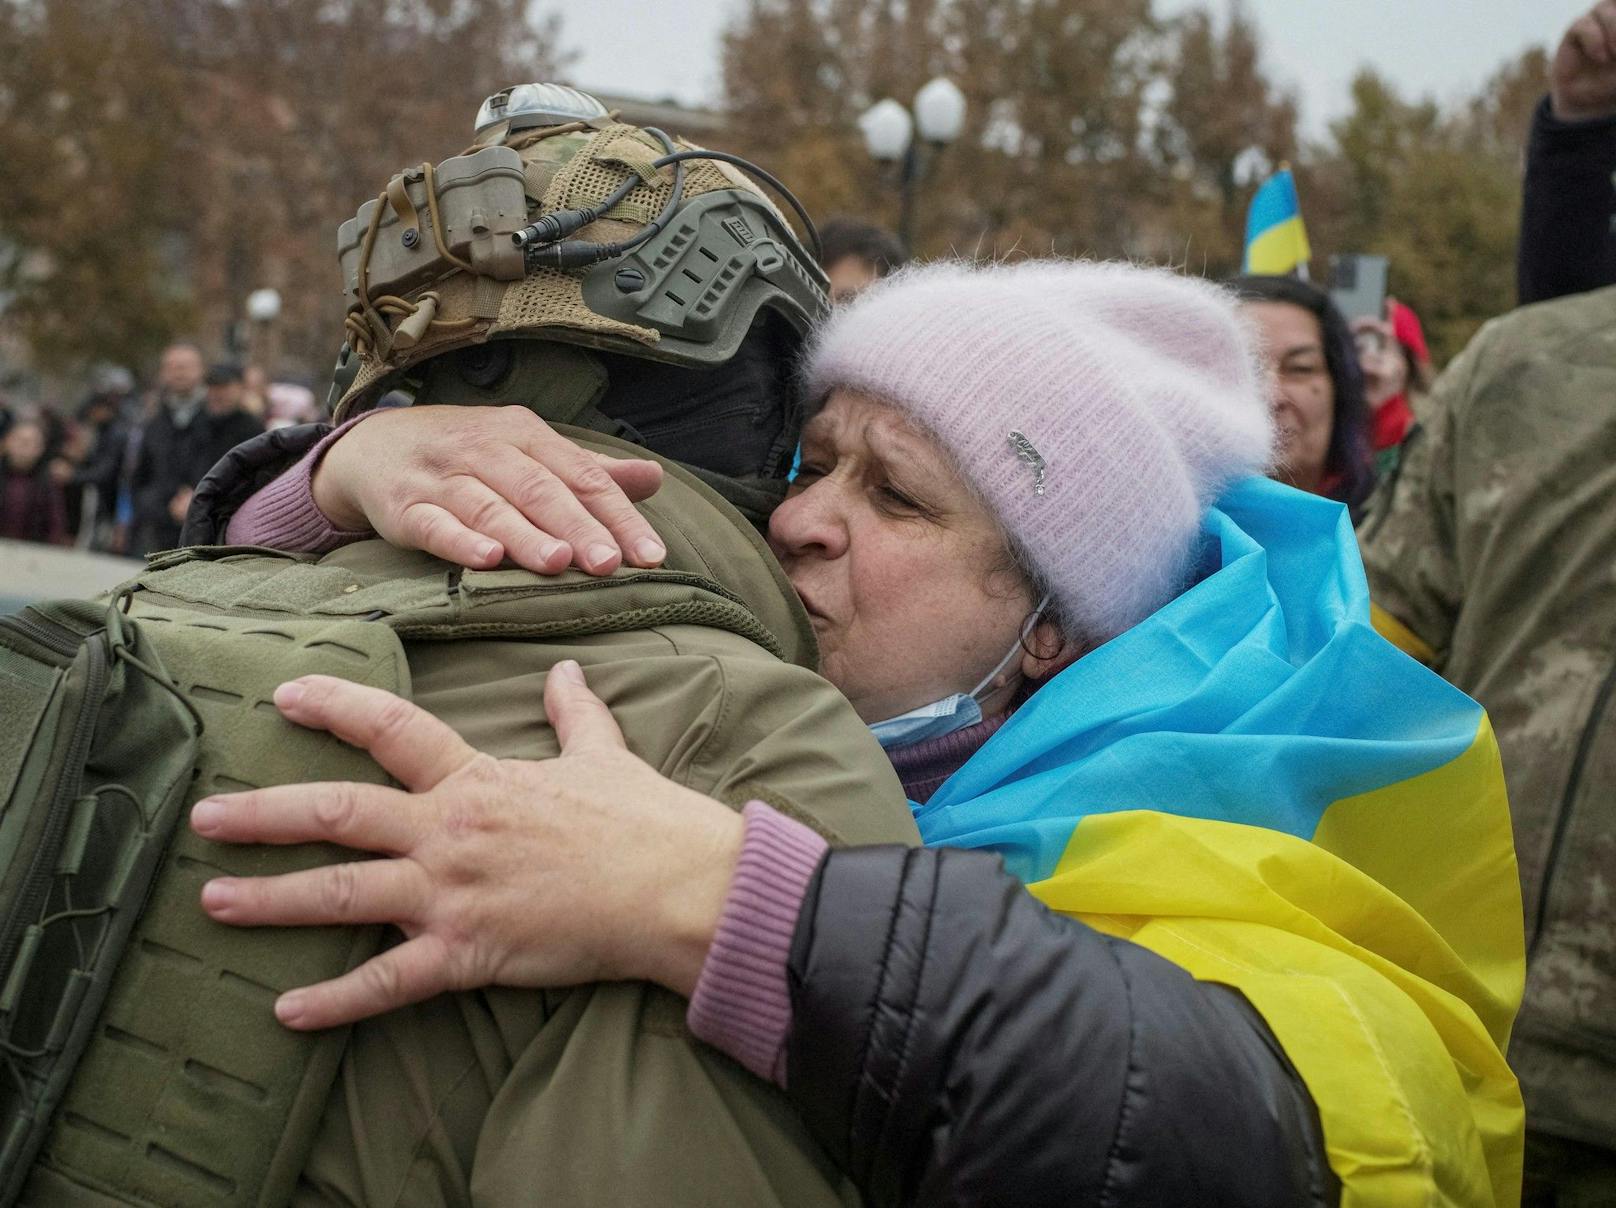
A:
<point x="940" y="111"/>
<point x="263" y="305"/>
<point x="887" y="129"/>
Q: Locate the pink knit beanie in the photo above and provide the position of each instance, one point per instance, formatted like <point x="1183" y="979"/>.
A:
<point x="1099" y="409"/>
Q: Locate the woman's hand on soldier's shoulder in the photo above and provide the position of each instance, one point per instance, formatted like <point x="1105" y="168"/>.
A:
<point x="479" y="485"/>
<point x="588" y="867"/>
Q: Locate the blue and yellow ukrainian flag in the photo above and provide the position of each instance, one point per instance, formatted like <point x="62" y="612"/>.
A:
<point x="1276" y="240"/>
<point x="1255" y="785"/>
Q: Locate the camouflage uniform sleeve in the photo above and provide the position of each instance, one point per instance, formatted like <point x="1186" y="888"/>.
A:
<point x="1409" y="541"/>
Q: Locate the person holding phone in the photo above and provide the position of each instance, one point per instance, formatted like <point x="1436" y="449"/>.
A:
<point x="1396" y="365"/>
<point x="1392" y="353"/>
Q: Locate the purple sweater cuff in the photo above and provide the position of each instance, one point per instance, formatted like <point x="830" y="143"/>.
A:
<point x="742" y="1005"/>
<point x="283" y="515"/>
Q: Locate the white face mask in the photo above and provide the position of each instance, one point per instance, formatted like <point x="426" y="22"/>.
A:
<point x="952" y="713"/>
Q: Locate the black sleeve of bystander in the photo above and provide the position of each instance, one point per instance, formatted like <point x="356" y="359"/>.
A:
<point x="955" y="1042"/>
<point x="1568" y="213"/>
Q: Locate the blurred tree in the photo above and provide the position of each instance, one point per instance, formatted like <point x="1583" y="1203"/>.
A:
<point x="1224" y="126"/>
<point x="162" y="159"/>
<point x="1056" y="92"/>
<point x="1437" y="192"/>
<point x="310" y="106"/>
<point x="1096" y="128"/>
<point x="1375" y="146"/>
<point x="792" y="97"/>
<point x="165" y="159"/>
<point x="1093" y="128"/>
<point x="88" y="98"/>
<point x="1501" y="116"/>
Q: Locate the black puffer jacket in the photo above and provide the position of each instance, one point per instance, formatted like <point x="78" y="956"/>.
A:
<point x="954" y="1042"/>
<point x="241" y="472"/>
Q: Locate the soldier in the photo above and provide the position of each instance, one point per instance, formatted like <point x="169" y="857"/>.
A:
<point x="650" y="289"/>
<point x="1495" y="554"/>
<point x="1494" y="549"/>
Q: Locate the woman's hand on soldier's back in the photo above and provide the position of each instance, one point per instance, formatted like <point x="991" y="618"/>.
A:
<point x="588" y="867"/>
<point x="480" y="485"/>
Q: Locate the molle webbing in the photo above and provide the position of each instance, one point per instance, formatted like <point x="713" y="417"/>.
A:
<point x="190" y="1093"/>
<point x="96" y="759"/>
<point x="440" y="605"/>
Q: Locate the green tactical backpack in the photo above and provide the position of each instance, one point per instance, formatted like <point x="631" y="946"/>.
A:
<point x="142" y="1063"/>
<point x="97" y="747"/>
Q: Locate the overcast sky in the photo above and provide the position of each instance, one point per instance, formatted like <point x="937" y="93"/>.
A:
<point x="663" y="48"/>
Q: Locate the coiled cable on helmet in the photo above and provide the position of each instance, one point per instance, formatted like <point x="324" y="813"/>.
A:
<point x="544" y="243"/>
<point x="767" y="178"/>
<point x="544" y="249"/>
<point x="558" y="224"/>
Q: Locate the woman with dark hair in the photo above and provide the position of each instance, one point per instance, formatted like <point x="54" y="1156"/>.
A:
<point x="856" y="254"/>
<point x="1320" y="413"/>
<point x="31" y="504"/>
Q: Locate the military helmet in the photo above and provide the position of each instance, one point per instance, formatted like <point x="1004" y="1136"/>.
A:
<point x="564" y="224"/>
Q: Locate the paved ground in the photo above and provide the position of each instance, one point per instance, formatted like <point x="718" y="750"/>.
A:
<point x="39" y="572"/>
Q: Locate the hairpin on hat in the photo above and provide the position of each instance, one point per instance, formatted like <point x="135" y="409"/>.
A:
<point x="1024" y="450"/>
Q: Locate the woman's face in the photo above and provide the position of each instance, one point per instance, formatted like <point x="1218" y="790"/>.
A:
<point x="1301" y="392"/>
<point x="899" y="565"/>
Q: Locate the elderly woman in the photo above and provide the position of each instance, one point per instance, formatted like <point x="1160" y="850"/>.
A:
<point x="1278" y="947"/>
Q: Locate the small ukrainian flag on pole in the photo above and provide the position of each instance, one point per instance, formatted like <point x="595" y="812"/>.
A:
<point x="1276" y="240"/>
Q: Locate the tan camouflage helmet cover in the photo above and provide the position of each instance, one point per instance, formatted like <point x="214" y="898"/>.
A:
<point x="430" y="265"/>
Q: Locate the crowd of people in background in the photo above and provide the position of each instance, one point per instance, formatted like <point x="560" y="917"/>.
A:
<point x="116" y="474"/>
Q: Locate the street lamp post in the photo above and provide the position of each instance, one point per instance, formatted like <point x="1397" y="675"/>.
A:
<point x="263" y="308"/>
<point x="890" y="132"/>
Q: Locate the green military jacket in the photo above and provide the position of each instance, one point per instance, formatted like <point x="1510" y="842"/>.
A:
<point x="596" y="1095"/>
<point x="1496" y="547"/>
